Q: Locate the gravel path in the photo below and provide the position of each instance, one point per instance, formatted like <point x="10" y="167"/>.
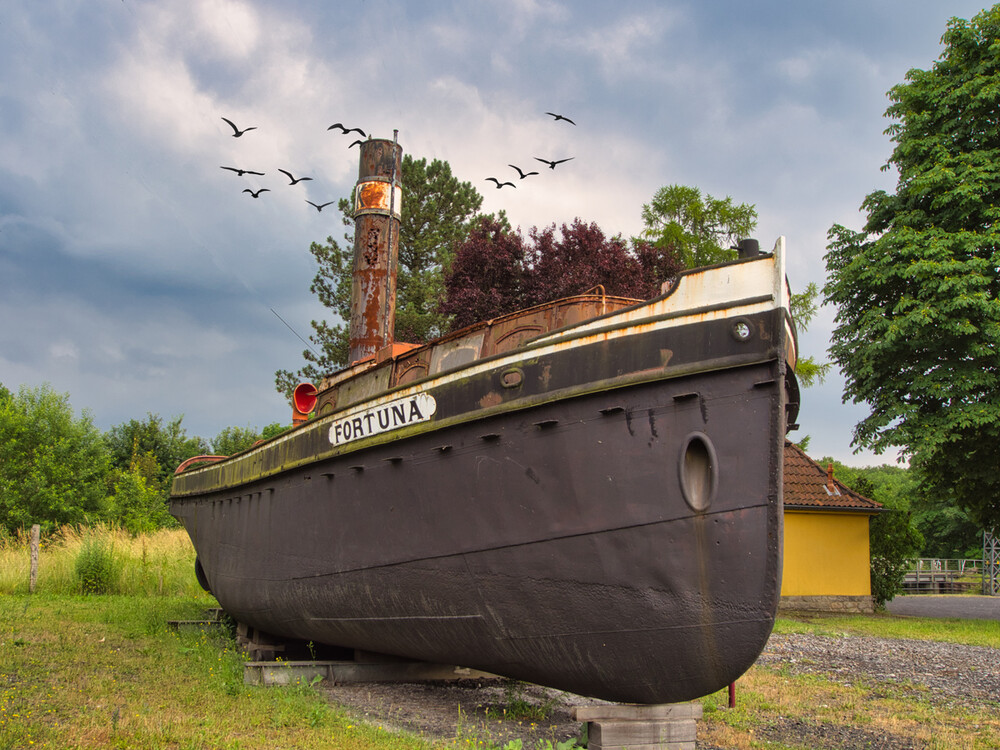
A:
<point x="952" y="675"/>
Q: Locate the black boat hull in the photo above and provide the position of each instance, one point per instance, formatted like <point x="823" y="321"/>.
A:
<point x="598" y="510"/>
<point x="551" y="544"/>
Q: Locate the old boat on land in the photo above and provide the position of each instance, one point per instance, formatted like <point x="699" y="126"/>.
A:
<point x="584" y="495"/>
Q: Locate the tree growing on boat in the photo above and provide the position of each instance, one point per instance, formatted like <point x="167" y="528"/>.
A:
<point x="702" y="230"/>
<point x="498" y="271"/>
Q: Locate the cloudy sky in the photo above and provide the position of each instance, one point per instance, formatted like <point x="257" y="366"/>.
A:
<point x="137" y="277"/>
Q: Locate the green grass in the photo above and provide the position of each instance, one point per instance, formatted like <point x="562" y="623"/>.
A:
<point x="952" y="630"/>
<point x="107" y="672"/>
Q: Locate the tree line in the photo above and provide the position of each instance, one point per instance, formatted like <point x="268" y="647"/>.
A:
<point x="57" y="468"/>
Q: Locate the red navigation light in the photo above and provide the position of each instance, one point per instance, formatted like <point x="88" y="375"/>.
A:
<point x="303" y="401"/>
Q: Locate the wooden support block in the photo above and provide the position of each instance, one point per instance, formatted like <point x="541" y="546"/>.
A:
<point x="177" y="624"/>
<point x="671" y="726"/>
<point x="607" y="734"/>
<point x="637" y="712"/>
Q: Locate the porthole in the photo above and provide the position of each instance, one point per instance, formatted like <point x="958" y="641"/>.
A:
<point x="699" y="471"/>
<point x="511" y="378"/>
<point x="741" y="329"/>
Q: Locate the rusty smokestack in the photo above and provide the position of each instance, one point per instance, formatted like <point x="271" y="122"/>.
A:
<point x="376" y="248"/>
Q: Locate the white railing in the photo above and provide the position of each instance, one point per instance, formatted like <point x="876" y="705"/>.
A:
<point x="936" y="575"/>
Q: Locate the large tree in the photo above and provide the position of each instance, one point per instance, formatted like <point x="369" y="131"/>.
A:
<point x="437" y="209"/>
<point x="918" y="316"/>
<point x="53" y="464"/>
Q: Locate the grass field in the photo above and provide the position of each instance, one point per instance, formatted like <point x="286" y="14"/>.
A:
<point x="106" y="671"/>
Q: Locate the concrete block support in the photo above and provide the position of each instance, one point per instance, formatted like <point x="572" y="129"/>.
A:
<point x="670" y="726"/>
<point x="275" y="673"/>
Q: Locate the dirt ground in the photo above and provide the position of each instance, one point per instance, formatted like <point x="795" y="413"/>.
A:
<point x="467" y="709"/>
<point x="948" y="675"/>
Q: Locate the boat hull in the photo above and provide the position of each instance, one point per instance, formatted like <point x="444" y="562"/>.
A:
<point x="601" y="515"/>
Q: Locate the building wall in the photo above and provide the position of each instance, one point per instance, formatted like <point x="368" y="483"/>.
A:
<point x="826" y="554"/>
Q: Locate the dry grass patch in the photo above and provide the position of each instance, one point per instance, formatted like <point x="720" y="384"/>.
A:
<point x="779" y="710"/>
<point x="157" y="564"/>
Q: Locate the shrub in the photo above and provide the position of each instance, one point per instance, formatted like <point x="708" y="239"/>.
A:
<point x="97" y="569"/>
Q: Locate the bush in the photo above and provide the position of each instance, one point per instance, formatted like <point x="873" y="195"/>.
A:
<point x="136" y="506"/>
<point x="97" y="569"/>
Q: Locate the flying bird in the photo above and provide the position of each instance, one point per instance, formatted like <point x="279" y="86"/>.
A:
<point x="500" y="184"/>
<point x="521" y="172"/>
<point x="257" y="194"/>
<point x="320" y="206"/>
<point x="560" y="117"/>
<point x="236" y="131"/>
<point x="356" y="143"/>
<point x="345" y="131"/>
<point x="242" y="172"/>
<point x="552" y="164"/>
<point x="293" y="180"/>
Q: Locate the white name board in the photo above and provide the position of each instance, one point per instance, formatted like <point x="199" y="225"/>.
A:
<point x="384" y="418"/>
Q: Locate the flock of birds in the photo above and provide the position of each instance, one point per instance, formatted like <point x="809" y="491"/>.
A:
<point x="293" y="180"/>
<point x="522" y="174"/>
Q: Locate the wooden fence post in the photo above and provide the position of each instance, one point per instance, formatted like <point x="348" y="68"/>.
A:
<point x="35" y="532"/>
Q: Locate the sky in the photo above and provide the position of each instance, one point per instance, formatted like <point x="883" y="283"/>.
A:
<point x="137" y="277"/>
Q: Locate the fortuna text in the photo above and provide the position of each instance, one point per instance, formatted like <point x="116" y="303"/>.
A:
<point x="389" y="416"/>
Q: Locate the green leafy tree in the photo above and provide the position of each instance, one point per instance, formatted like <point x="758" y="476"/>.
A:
<point x="53" y="464"/>
<point x="235" y="439"/>
<point x="153" y="448"/>
<point x="918" y="316"/>
<point x="807" y="369"/>
<point x="702" y="230"/>
<point x="437" y="209"/>
<point x="136" y="505"/>
<point x="947" y="529"/>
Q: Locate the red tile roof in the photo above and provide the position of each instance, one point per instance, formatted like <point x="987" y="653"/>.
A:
<point x="809" y="485"/>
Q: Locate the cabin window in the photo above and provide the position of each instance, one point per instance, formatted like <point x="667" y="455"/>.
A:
<point x="456" y="353"/>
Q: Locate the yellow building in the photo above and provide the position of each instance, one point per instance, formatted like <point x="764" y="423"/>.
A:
<point x="827" y="565"/>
